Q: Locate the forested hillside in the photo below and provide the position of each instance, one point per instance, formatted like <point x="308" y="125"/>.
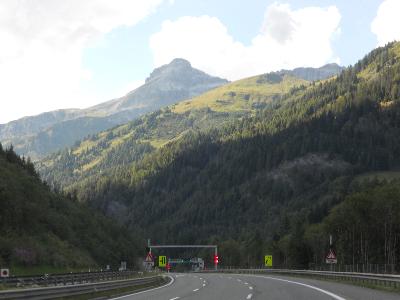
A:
<point x="268" y="180"/>
<point x="128" y="143"/>
<point x="279" y="180"/>
<point x="41" y="228"/>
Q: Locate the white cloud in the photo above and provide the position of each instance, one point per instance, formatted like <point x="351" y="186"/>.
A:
<point x="41" y="49"/>
<point x="386" y="25"/>
<point x="287" y="39"/>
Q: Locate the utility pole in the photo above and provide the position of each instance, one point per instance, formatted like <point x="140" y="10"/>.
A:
<point x="330" y="247"/>
<point x="148" y="245"/>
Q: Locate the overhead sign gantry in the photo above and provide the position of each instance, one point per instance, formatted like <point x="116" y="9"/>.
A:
<point x="215" y="247"/>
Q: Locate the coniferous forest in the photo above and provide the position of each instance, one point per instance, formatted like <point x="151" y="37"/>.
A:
<point x="41" y="228"/>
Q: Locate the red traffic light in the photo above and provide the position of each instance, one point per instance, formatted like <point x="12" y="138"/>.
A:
<point x="216" y="259"/>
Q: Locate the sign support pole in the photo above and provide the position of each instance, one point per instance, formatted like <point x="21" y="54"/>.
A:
<point x="216" y="254"/>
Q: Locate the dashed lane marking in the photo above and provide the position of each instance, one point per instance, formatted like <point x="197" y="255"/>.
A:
<point x="334" y="296"/>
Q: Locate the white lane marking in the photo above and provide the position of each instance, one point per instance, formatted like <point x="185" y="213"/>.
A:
<point x="250" y="287"/>
<point x="201" y="278"/>
<point x="157" y="288"/>
<point x="195" y="290"/>
<point x="174" y="298"/>
<point x="334" y="296"/>
<point x="238" y="280"/>
<point x="246" y="283"/>
<point x="204" y="284"/>
<point x="249" y="296"/>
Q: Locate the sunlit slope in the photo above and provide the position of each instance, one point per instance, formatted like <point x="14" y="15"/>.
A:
<point x="243" y="95"/>
<point x="129" y="142"/>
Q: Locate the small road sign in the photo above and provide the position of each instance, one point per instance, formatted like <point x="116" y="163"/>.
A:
<point x="268" y="260"/>
<point x="331" y="257"/>
<point x="162" y="261"/>
<point x="4" y="272"/>
<point x="148" y="262"/>
<point x="149" y="257"/>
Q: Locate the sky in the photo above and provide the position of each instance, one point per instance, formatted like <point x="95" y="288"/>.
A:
<point x="58" y="54"/>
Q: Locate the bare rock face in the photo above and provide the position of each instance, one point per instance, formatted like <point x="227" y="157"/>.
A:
<point x="166" y="85"/>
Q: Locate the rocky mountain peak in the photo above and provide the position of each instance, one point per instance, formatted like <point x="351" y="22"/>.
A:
<point x="177" y="66"/>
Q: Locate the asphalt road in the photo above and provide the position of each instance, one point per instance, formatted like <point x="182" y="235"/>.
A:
<point x="245" y="287"/>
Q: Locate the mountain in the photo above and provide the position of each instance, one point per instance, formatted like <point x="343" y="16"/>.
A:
<point x="165" y="85"/>
<point x="313" y="74"/>
<point x="40" y="228"/>
<point x="277" y="180"/>
<point x="40" y="135"/>
<point x="128" y="143"/>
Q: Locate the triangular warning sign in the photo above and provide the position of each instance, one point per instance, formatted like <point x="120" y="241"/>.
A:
<point x="331" y="255"/>
<point x="149" y="257"/>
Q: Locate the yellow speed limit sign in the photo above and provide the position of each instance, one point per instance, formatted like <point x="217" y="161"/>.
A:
<point x="268" y="260"/>
<point x="162" y="261"/>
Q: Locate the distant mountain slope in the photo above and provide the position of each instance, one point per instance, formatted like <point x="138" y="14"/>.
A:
<point x="261" y="180"/>
<point x="39" y="135"/>
<point x="165" y="85"/>
<point x="41" y="228"/>
<point x="128" y="143"/>
<point x="31" y="125"/>
<point x="312" y="74"/>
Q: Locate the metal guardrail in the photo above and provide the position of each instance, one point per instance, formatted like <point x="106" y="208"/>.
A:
<point x="385" y="280"/>
<point x="77" y="289"/>
<point x="66" y="278"/>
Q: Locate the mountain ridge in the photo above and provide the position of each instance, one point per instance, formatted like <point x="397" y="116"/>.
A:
<point x="214" y="108"/>
<point x="30" y="135"/>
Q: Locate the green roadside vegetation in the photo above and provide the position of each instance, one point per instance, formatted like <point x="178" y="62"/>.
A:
<point x="42" y="231"/>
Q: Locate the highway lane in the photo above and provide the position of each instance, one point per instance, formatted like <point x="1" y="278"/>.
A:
<point x="197" y="286"/>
